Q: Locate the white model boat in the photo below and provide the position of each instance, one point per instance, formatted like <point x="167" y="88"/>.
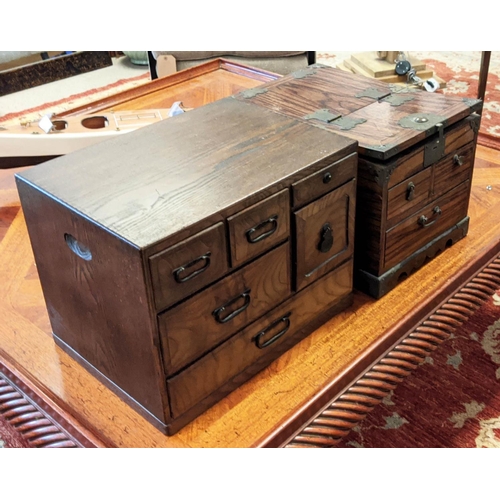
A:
<point x="49" y="137"/>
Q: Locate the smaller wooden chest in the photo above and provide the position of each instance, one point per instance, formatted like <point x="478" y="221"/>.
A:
<point x="416" y="156"/>
<point x="179" y="260"/>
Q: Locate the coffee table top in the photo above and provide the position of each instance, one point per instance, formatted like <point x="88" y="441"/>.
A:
<point x="194" y="87"/>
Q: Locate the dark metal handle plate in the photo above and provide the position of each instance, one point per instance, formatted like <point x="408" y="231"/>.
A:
<point x="206" y="263"/>
<point x="410" y="191"/>
<point x="273" y="221"/>
<point x="326" y="239"/>
<point x="424" y="221"/>
<point x="258" y="339"/>
<point x="219" y="312"/>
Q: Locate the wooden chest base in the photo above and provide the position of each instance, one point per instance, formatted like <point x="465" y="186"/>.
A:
<point x="378" y="286"/>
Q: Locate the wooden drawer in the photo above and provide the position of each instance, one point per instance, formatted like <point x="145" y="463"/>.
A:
<point x="423" y="226"/>
<point x="257" y="342"/>
<point x="259" y="227"/>
<point x="199" y="324"/>
<point x="453" y="169"/>
<point x="325" y="180"/>
<point x="185" y="268"/>
<point x="324" y="234"/>
<point x="407" y="196"/>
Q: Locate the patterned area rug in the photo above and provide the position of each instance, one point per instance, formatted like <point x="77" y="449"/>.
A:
<point x="452" y="400"/>
<point x="460" y="71"/>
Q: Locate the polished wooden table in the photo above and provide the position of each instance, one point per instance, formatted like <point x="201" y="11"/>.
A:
<point x="278" y="402"/>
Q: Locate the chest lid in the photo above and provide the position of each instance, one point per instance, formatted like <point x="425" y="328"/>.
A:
<point x="383" y="118"/>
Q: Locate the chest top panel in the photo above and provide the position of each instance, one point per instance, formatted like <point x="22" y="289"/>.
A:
<point x="154" y="182"/>
<point x="385" y="119"/>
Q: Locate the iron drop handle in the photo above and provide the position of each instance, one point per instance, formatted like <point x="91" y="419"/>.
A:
<point x="258" y="338"/>
<point x="424" y="221"/>
<point x="220" y="311"/>
<point x="410" y="191"/>
<point x="458" y="160"/>
<point x="206" y="263"/>
<point x="272" y="221"/>
<point x="326" y="238"/>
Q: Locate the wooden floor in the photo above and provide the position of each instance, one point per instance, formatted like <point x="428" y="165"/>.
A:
<point x="278" y="401"/>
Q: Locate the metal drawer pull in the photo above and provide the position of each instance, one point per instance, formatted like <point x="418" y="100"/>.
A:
<point x="217" y="313"/>
<point x="410" y="191"/>
<point x="258" y="338"/>
<point x="327" y="178"/>
<point x="177" y="272"/>
<point x="326" y="238"/>
<point x="272" y="220"/>
<point x="424" y="221"/>
<point x="458" y="160"/>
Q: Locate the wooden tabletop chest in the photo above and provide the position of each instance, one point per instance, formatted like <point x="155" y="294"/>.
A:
<point x="416" y="155"/>
<point x="179" y="260"/>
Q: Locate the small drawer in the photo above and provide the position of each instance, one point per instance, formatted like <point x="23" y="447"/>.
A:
<point x="181" y="270"/>
<point x="324" y="234"/>
<point x="425" y="225"/>
<point x="259" y="227"/>
<point x="453" y="170"/>
<point x="256" y="344"/>
<point x="325" y="180"/>
<point x="406" y="197"/>
<point x="192" y="328"/>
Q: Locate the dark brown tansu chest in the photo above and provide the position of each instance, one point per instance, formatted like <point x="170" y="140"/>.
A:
<point x="179" y="260"/>
<point x="416" y="155"/>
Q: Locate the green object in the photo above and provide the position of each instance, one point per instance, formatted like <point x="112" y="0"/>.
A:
<point x="139" y="57"/>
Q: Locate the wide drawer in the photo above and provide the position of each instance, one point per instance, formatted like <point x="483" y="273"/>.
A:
<point x="192" y="328"/>
<point x="185" y="268"/>
<point x="255" y="343"/>
<point x="325" y="180"/>
<point x="424" y="225"/>
<point x="259" y="227"/>
<point x="324" y="234"/>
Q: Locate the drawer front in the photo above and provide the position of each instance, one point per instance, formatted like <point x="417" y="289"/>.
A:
<point x="407" y="196"/>
<point x="259" y="227"/>
<point x="425" y="225"/>
<point x="181" y="270"/>
<point x="256" y="342"/>
<point x="192" y="328"/>
<point x="325" y="180"/>
<point x="324" y="235"/>
<point x="453" y="169"/>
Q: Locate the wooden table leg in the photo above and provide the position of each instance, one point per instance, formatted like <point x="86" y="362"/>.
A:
<point x="483" y="74"/>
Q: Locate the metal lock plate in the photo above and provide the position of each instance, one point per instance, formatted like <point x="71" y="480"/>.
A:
<point x="434" y="150"/>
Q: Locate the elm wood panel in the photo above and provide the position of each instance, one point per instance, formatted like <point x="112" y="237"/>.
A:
<point x="199" y="85"/>
<point x="371" y="214"/>
<point x="325" y="180"/>
<point x="410" y="235"/>
<point x="280" y="396"/>
<point x="99" y="307"/>
<point x="462" y="133"/>
<point x="188" y="266"/>
<point x="453" y="169"/>
<point x="337" y="209"/>
<point x="403" y="166"/>
<point x="221" y="365"/>
<point x="322" y="88"/>
<point x="191" y="329"/>
<point x="407" y="196"/>
<point x="382" y="137"/>
<point x="213" y="160"/>
<point x="269" y="217"/>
